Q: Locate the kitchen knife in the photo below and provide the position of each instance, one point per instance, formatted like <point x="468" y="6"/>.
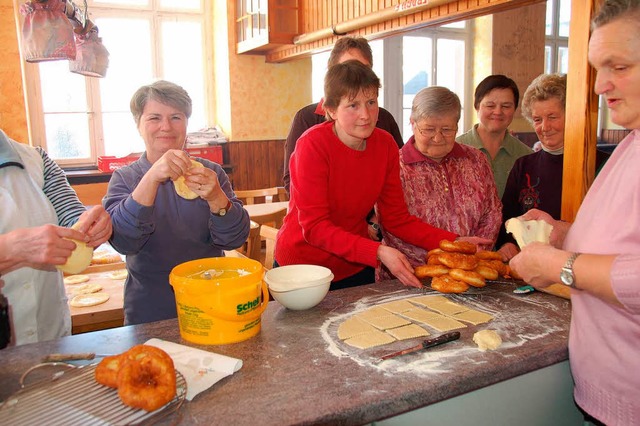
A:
<point x="428" y="343"/>
<point x="71" y="357"/>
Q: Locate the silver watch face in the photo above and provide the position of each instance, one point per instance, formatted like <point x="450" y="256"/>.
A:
<point x="566" y="277"/>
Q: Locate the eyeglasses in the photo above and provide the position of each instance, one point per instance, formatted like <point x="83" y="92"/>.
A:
<point x="430" y="132"/>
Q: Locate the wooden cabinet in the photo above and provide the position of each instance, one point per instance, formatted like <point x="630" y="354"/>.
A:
<point x="262" y="25"/>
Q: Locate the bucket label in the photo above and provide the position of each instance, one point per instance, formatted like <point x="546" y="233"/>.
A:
<point x="244" y="308"/>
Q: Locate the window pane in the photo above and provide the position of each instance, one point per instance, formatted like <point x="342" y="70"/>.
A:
<point x="416" y="73"/>
<point x="451" y="65"/>
<point x="180" y="4"/>
<point x="182" y="55"/>
<point x="378" y="65"/>
<point x="318" y="71"/>
<point x="451" y="68"/>
<point x="67" y="136"/>
<point x="547" y="59"/>
<point x="129" y="45"/>
<point x="565" y="18"/>
<point x="119" y="126"/>
<point x="62" y="90"/>
<point x="563" y="60"/>
<point x="549" y="20"/>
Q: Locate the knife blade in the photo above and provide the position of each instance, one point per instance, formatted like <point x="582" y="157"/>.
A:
<point x="428" y="343"/>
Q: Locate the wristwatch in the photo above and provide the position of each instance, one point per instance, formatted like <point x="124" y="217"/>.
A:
<point x="223" y="211"/>
<point x="566" y="274"/>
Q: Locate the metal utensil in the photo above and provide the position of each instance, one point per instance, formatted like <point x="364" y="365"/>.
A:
<point x="72" y="357"/>
<point x="428" y="343"/>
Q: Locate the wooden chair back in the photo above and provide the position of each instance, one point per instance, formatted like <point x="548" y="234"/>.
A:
<point x="265" y="195"/>
<point x="253" y="246"/>
<point x="268" y="234"/>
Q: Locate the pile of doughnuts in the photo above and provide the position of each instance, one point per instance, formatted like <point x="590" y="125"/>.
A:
<point x="457" y="265"/>
<point x="144" y="376"/>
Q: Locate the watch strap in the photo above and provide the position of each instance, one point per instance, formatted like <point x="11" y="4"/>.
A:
<point x="223" y="211"/>
<point x="568" y="267"/>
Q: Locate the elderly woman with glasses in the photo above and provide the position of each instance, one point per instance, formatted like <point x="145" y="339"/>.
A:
<point x="446" y="184"/>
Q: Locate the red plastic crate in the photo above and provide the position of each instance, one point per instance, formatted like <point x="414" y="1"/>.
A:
<point x="213" y="153"/>
<point x="109" y="163"/>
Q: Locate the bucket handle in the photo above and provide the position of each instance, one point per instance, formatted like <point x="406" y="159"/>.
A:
<point x="251" y="316"/>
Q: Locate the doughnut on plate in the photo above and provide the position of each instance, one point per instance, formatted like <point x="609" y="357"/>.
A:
<point x="79" y="399"/>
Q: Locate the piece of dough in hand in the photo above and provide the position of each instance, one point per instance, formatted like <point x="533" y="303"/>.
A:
<point x="487" y="339"/>
<point x="181" y="187"/>
<point x="528" y="231"/>
<point x="80" y="258"/>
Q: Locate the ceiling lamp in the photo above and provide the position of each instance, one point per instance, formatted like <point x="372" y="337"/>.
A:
<point x="92" y="58"/>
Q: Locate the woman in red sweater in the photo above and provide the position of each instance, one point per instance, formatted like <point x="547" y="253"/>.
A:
<point x="339" y="170"/>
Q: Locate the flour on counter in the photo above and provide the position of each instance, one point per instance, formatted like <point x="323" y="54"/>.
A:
<point x="517" y="320"/>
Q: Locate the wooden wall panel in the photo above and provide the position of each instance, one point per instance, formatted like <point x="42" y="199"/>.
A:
<point x="256" y="164"/>
<point x="315" y="14"/>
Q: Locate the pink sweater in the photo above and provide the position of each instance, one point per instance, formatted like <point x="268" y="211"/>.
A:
<point x="333" y="188"/>
<point x="604" y="342"/>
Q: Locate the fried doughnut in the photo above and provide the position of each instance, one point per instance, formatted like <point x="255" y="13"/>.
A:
<point x="458" y="246"/>
<point x="488" y="255"/>
<point x="470" y="277"/>
<point x="446" y="284"/>
<point x="432" y="252"/>
<point x="458" y="261"/>
<point x="498" y="265"/>
<point x="147" y="378"/>
<point x="433" y="260"/>
<point x="424" y="271"/>
<point x="487" y="272"/>
<point x="107" y="371"/>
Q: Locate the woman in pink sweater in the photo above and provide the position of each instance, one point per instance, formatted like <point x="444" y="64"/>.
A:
<point x="339" y="170"/>
<point x="599" y="254"/>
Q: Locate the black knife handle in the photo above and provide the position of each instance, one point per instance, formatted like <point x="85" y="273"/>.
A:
<point x="443" y="338"/>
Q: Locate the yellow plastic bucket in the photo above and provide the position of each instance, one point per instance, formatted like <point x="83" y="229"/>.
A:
<point x="219" y="310"/>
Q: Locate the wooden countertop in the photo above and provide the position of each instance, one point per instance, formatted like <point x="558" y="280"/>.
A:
<point x="296" y="371"/>
<point x="106" y="315"/>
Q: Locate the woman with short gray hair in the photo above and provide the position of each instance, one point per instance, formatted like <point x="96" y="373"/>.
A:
<point x="166" y="208"/>
<point x="446" y="184"/>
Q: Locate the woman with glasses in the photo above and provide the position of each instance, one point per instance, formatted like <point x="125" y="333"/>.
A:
<point x="496" y="100"/>
<point x="339" y="170"/>
<point x="446" y="184"/>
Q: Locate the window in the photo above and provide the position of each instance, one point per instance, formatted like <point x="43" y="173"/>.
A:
<point x="556" y="51"/>
<point x="76" y="118"/>
<point x="408" y="63"/>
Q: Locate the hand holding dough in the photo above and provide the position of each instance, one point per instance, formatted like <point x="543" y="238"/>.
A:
<point x="80" y="258"/>
<point x="528" y="231"/>
<point x="181" y="187"/>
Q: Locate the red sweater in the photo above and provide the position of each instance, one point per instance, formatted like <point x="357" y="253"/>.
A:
<point x="333" y="188"/>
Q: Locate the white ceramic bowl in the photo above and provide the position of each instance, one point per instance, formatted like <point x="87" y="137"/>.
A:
<point x="299" y="287"/>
